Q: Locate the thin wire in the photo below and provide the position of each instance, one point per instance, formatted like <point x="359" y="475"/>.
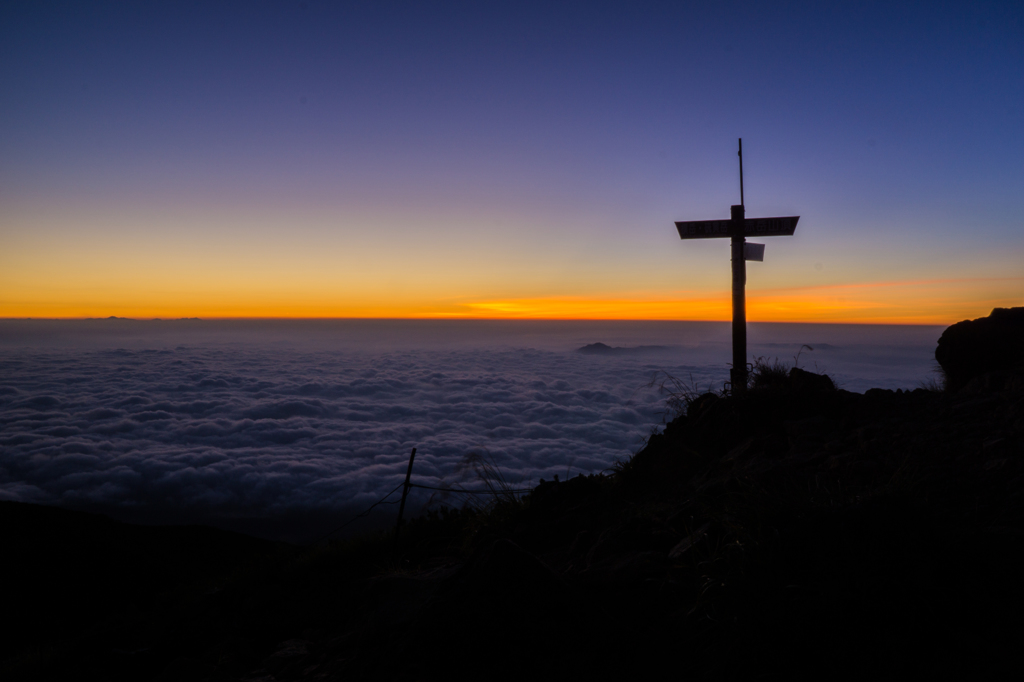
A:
<point x="368" y="510"/>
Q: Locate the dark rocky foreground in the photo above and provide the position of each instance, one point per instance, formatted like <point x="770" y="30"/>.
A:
<point x="799" y="531"/>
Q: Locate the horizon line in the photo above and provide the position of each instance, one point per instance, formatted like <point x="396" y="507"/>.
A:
<point x="452" y="319"/>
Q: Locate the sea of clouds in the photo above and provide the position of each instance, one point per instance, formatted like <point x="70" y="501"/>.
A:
<point x="287" y="429"/>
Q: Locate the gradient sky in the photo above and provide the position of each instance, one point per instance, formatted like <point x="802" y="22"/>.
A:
<point x="489" y="159"/>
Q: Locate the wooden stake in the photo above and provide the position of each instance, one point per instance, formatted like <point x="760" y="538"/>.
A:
<point x="738" y="374"/>
<point x="405" y="493"/>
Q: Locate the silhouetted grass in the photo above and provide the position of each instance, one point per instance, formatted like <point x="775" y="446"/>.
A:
<point x="679" y="395"/>
<point x="936" y="383"/>
<point x="767" y="374"/>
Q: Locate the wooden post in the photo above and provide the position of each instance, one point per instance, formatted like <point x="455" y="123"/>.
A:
<point x="737" y="228"/>
<point x="738" y="374"/>
<point x="405" y="493"/>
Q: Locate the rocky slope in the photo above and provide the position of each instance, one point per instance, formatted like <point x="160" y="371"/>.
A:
<point x="798" y="531"/>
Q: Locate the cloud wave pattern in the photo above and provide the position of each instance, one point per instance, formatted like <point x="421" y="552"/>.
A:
<point x="223" y="421"/>
<point x="258" y="431"/>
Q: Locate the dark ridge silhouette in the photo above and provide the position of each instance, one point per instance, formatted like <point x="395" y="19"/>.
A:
<point x="604" y="349"/>
<point x="794" y="531"/>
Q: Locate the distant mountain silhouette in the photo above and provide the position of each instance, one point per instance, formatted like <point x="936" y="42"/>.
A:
<point x="605" y="349"/>
<point x="134" y="319"/>
<point x="812" y="346"/>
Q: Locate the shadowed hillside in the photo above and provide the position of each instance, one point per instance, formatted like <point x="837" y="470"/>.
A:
<point x="799" y="531"/>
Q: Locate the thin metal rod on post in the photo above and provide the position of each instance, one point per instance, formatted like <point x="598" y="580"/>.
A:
<point x="405" y="493"/>
<point x="742" y="203"/>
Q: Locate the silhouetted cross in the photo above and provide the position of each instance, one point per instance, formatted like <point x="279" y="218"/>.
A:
<point x="738" y="228"/>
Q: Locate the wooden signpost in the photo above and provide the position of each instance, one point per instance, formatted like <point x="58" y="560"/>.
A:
<point x="738" y="228"/>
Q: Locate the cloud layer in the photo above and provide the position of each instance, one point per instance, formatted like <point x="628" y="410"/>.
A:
<point x="261" y="432"/>
<point x="245" y="426"/>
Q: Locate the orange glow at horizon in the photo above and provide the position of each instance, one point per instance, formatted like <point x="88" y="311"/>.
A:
<point x="906" y="302"/>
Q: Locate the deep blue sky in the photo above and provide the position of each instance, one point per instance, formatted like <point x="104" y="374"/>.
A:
<point x="506" y="152"/>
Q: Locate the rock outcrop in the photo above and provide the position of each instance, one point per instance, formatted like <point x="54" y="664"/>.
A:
<point x="971" y="349"/>
<point x="802" y="380"/>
